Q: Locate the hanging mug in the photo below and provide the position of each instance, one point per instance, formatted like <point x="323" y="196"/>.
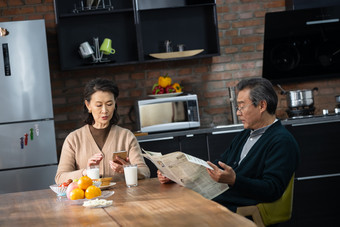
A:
<point x="85" y="50"/>
<point x="106" y="48"/>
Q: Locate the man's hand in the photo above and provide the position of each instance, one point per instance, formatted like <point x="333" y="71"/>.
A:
<point x="226" y="175"/>
<point x="162" y="179"/>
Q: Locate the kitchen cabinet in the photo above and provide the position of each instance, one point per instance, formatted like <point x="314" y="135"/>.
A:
<point x="316" y="202"/>
<point x="75" y="28"/>
<point x="319" y="148"/>
<point x="164" y="145"/>
<point x="316" y="189"/>
<point x="195" y="145"/>
<point x="219" y="141"/>
<point x="192" y="23"/>
<point x="192" y="144"/>
<point x="137" y="29"/>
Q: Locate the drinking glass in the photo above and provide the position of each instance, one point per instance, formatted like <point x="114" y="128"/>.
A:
<point x="93" y="172"/>
<point x="130" y="173"/>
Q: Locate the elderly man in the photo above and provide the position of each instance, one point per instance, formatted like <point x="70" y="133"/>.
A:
<point x="261" y="159"/>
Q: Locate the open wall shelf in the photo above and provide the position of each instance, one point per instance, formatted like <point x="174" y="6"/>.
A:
<point x="137" y="29"/>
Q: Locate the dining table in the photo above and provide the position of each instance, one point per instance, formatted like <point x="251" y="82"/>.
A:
<point x="148" y="204"/>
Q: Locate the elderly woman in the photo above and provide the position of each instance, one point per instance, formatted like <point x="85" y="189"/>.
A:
<point x="94" y="143"/>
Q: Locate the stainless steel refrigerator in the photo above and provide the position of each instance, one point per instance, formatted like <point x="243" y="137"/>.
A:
<point x="28" y="157"/>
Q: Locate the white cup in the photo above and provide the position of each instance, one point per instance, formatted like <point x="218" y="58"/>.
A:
<point x="85" y="50"/>
<point x="93" y="172"/>
<point x="131" y="178"/>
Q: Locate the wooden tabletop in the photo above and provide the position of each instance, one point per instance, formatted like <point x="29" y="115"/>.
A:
<point x="148" y="204"/>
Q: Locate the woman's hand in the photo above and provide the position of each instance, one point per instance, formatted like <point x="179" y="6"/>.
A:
<point x="226" y="175"/>
<point x="117" y="164"/>
<point x="162" y="179"/>
<point x="95" y="159"/>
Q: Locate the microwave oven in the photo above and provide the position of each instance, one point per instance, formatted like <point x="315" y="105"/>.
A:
<point x="167" y="113"/>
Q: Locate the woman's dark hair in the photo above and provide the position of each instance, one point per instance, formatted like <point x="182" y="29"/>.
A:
<point x="100" y="84"/>
<point x="260" y="89"/>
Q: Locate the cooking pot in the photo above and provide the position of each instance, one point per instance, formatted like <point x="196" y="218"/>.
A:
<point x="299" y="98"/>
<point x="337" y="98"/>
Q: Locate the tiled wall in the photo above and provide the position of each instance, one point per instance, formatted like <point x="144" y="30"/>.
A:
<point x="241" y="29"/>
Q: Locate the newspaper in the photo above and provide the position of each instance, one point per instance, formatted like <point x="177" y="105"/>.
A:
<point x="188" y="171"/>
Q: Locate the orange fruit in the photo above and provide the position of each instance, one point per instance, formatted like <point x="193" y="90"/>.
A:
<point x="84" y="182"/>
<point x="92" y="191"/>
<point x="77" y="193"/>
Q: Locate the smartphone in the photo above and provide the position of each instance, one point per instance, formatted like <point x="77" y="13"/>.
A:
<point x="121" y="154"/>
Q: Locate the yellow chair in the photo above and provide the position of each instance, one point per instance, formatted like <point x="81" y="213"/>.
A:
<point x="265" y="214"/>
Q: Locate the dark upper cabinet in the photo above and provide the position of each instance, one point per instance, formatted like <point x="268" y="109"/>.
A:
<point x="137" y="29"/>
<point x="194" y="26"/>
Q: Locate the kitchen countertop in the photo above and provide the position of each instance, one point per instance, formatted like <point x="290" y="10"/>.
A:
<point x="236" y="128"/>
<point x="319" y="119"/>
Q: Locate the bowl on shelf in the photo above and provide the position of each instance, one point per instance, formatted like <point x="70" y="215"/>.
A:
<point x="60" y="191"/>
<point x="176" y="54"/>
<point x="164" y="95"/>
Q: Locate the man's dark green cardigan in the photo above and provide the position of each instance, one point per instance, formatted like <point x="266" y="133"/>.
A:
<point x="265" y="172"/>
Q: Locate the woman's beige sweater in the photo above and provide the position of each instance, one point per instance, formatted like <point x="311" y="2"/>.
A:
<point x="79" y="146"/>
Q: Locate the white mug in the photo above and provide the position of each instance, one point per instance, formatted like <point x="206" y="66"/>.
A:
<point x="85" y="50"/>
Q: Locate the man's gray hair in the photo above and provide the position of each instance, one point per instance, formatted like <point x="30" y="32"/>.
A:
<point x="260" y="89"/>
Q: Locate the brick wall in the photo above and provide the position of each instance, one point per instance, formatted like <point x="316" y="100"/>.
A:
<point x="241" y="29"/>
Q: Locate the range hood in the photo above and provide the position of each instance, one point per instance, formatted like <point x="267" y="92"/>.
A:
<point x="302" y="45"/>
<point x="308" y="4"/>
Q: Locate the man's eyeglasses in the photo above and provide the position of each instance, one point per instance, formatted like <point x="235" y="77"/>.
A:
<point x="242" y="107"/>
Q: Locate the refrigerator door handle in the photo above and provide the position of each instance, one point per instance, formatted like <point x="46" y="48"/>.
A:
<point x="7" y="65"/>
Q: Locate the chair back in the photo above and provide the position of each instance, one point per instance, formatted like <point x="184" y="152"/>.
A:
<point x="279" y="210"/>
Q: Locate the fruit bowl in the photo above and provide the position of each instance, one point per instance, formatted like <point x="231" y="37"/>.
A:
<point x="164" y="95"/>
<point x="60" y="191"/>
